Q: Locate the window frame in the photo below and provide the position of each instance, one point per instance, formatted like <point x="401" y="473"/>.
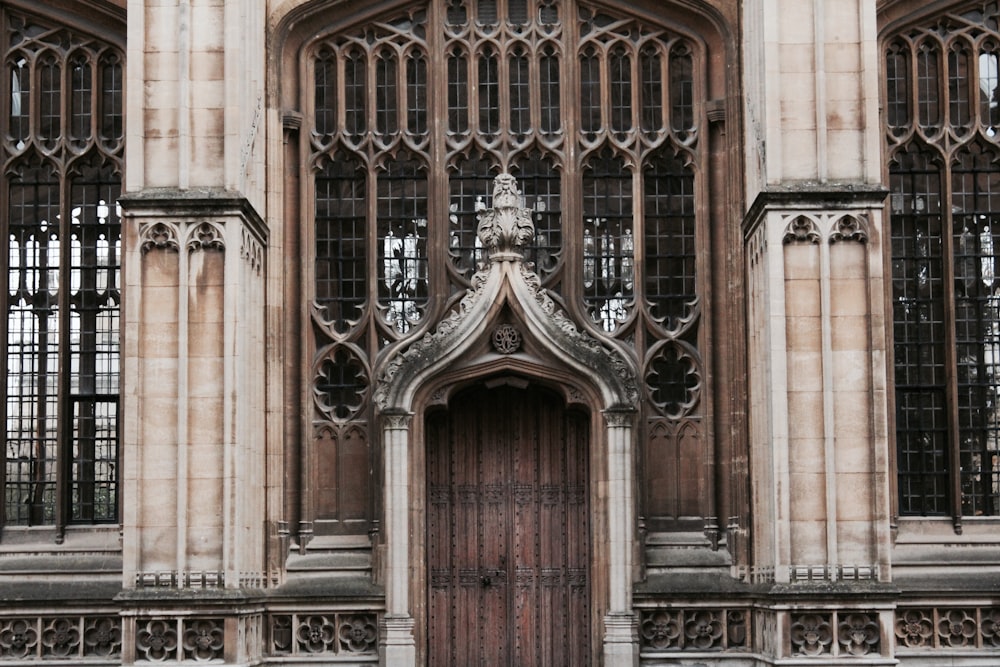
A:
<point x="99" y="24"/>
<point x="908" y="24"/>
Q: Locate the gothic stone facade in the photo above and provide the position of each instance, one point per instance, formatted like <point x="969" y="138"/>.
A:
<point x="507" y="332"/>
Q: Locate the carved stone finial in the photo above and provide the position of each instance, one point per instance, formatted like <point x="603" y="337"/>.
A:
<point x="506" y="228"/>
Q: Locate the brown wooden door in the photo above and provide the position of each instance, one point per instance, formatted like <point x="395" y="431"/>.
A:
<point x="508" y="539"/>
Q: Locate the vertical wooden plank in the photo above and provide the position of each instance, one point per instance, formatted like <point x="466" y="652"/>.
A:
<point x="439" y="563"/>
<point x="577" y="440"/>
<point x="507" y="499"/>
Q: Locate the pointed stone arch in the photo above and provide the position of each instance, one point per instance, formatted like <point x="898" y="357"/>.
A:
<point x="506" y="292"/>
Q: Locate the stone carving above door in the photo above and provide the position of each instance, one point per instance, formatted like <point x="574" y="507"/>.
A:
<point x="505" y="286"/>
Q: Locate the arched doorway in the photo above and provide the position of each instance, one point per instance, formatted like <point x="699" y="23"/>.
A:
<point x="508" y="530"/>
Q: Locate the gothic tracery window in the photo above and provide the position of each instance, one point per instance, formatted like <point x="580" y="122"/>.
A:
<point x="942" y="114"/>
<point x="592" y="110"/>
<point x="61" y="127"/>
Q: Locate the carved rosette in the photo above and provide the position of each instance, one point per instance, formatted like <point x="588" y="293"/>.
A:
<point x="506" y="229"/>
<point x="811" y="634"/>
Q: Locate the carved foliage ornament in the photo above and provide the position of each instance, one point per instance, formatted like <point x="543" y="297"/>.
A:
<point x="506" y="230"/>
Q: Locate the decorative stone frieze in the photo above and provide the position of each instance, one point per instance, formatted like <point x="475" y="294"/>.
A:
<point x="946" y="628"/>
<point x="694" y="629"/>
<point x="64" y="638"/>
<point x="346" y="633"/>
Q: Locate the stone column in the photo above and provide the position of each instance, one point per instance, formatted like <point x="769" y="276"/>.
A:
<point x="814" y="244"/>
<point x="193" y="366"/>
<point x="398" y="644"/>
<point x="621" y="638"/>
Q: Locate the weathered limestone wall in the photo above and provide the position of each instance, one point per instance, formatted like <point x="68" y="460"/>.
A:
<point x="196" y="71"/>
<point x="812" y="92"/>
<point x="819" y="438"/>
<point x="194" y="358"/>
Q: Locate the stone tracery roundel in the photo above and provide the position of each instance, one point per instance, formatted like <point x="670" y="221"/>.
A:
<point x="506" y="339"/>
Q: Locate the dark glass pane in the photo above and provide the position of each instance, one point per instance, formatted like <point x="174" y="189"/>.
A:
<point x="402" y="243"/>
<point x="959" y="93"/>
<point x="608" y="242"/>
<point x="50" y="103"/>
<point x="489" y="92"/>
<point x="487" y="14"/>
<point x="33" y="321"/>
<point x="517" y="12"/>
<point x="651" y="89"/>
<point x="458" y="93"/>
<point x="670" y="242"/>
<point x="112" y="114"/>
<point x="520" y="92"/>
<point x="94" y="298"/>
<point x="416" y="94"/>
<point x="919" y="334"/>
<point x="355" y="93"/>
<point x="590" y="93"/>
<point x="548" y="70"/>
<point x="457" y="15"/>
<point x="326" y="93"/>
<point x="386" y="91"/>
<point x="897" y="70"/>
<point x="681" y="92"/>
<point x="80" y="96"/>
<point x="928" y="80"/>
<point x="470" y="186"/>
<point x="548" y="12"/>
<point x="340" y="263"/>
<point x="621" y="90"/>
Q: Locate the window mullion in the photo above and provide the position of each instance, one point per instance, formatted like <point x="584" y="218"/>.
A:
<point x="572" y="174"/>
<point x="64" y="427"/>
<point x="951" y="347"/>
<point x="437" y="170"/>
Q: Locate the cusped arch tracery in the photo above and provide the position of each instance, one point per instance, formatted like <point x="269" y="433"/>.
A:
<point x="505" y="280"/>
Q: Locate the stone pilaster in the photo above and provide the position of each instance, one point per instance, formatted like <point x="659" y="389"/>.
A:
<point x="398" y="645"/>
<point x="193" y="426"/>
<point x="819" y="438"/>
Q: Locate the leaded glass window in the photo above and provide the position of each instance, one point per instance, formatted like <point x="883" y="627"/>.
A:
<point x="62" y="132"/>
<point x="941" y="92"/>
<point x="593" y="111"/>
